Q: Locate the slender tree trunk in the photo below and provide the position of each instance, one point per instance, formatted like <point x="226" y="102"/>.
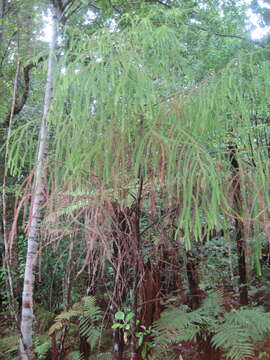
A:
<point x="239" y="228"/>
<point x="138" y="271"/>
<point x="26" y="349"/>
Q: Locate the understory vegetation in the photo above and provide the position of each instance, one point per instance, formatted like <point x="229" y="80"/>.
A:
<point x="135" y="158"/>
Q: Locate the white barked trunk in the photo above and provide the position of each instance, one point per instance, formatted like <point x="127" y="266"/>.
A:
<point x="27" y="316"/>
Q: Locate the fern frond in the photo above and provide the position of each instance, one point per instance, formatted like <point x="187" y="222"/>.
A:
<point x="67" y="315"/>
<point x="235" y="341"/>
<point x="75" y="355"/>
<point x="55" y="327"/>
<point x="256" y="320"/>
<point x="240" y="330"/>
<point x="177" y="325"/>
<point x="42" y="350"/>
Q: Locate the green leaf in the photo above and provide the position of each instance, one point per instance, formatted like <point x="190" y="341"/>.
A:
<point x="119" y="315"/>
<point x="117" y="325"/>
<point x="129" y="316"/>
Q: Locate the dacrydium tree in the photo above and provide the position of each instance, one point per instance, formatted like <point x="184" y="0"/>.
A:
<point x="139" y="111"/>
<point x="135" y="120"/>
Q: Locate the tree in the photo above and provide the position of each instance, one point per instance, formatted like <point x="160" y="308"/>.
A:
<point x="26" y="349"/>
<point x="146" y="103"/>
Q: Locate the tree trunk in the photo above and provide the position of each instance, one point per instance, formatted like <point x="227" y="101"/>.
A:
<point x="239" y="228"/>
<point x="196" y="295"/>
<point x="26" y="349"/>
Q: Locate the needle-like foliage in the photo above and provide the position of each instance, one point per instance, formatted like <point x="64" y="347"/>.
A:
<point x="127" y="105"/>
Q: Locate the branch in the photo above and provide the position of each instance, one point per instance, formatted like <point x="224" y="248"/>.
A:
<point x="161" y="3"/>
<point x="65" y="18"/>
<point x="253" y="42"/>
<point x="58" y="5"/>
<point x="20" y="104"/>
<point x="79" y="7"/>
<point x="67" y="4"/>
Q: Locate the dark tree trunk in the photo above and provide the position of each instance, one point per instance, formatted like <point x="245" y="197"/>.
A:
<point x="239" y="228"/>
<point x="196" y="295"/>
<point x="85" y="349"/>
<point x="54" y="350"/>
<point x="243" y="289"/>
<point x="149" y="295"/>
<point x="138" y="269"/>
<point x="121" y="239"/>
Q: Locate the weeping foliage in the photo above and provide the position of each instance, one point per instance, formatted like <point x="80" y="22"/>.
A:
<point x="127" y="105"/>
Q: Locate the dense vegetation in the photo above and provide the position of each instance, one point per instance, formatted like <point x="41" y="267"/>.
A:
<point x="135" y="153"/>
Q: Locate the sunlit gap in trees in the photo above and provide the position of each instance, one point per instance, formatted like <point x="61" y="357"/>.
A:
<point x="47" y="29"/>
<point x="257" y="30"/>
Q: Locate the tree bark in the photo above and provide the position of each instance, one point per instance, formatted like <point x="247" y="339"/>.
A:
<point x="26" y="350"/>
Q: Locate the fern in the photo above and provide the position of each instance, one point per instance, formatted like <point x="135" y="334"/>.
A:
<point x="177" y="326"/>
<point x="9" y="344"/>
<point x="235" y="333"/>
<point x="75" y="355"/>
<point x="89" y="316"/>
<point x="9" y="347"/>
<point x="235" y="341"/>
<point x="240" y="331"/>
<point x="42" y="350"/>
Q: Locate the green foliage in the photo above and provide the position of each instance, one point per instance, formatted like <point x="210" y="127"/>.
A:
<point x="43" y="349"/>
<point x="240" y="331"/>
<point x="75" y="355"/>
<point x="138" y="89"/>
<point x="236" y="333"/>
<point x="126" y="320"/>
<point x="89" y="316"/>
<point x="160" y="95"/>
<point x="9" y="345"/>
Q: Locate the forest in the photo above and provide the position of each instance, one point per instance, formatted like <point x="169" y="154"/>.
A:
<point x="135" y="200"/>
